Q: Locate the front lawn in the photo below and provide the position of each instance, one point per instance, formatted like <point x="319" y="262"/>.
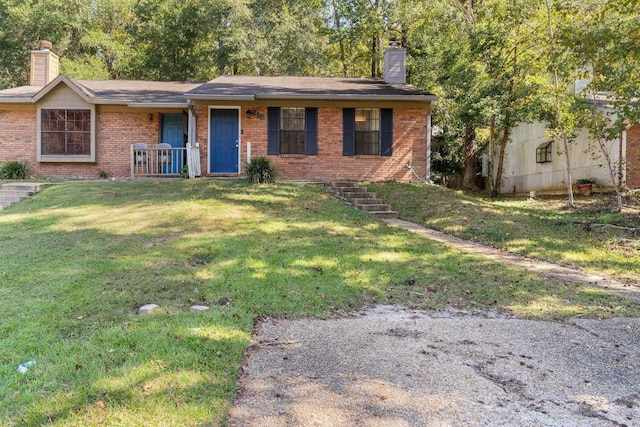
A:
<point x="80" y="258"/>
<point x="592" y="235"/>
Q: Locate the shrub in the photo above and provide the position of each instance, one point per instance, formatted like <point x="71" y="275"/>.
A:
<point x="102" y="174"/>
<point x="583" y="181"/>
<point x="13" y="169"/>
<point x="260" y="170"/>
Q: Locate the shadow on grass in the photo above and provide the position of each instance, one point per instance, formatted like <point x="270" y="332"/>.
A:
<point x="79" y="259"/>
<point x="522" y="226"/>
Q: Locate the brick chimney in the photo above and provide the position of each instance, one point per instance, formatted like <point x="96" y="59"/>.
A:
<point x="44" y="64"/>
<point x="395" y="64"/>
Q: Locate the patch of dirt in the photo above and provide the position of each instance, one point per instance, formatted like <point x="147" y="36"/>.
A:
<point x="392" y="366"/>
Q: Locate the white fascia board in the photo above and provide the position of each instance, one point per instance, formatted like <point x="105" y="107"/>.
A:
<point x="80" y="90"/>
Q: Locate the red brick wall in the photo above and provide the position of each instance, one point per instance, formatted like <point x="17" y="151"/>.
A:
<point x="409" y="145"/>
<point x="633" y="157"/>
<point x="118" y="130"/>
<point x="18" y="136"/>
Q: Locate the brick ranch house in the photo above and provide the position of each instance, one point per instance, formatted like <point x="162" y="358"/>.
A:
<point x="310" y="127"/>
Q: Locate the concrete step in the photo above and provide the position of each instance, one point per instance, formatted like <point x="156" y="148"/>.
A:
<point x="363" y="200"/>
<point x="25" y="193"/>
<point x="350" y="190"/>
<point x="13" y="198"/>
<point x="344" y="184"/>
<point x="374" y="208"/>
<point x="385" y="214"/>
<point x="14" y="192"/>
<point x="25" y="186"/>
<point x="367" y="200"/>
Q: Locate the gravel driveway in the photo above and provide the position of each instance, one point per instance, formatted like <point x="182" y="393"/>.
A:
<point x="391" y="366"/>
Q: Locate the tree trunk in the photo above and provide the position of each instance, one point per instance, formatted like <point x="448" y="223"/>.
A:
<point x="506" y="123"/>
<point x="492" y="142"/>
<point x="469" y="173"/>
<point x="336" y="16"/>
<point x="375" y="62"/>
<point x="506" y="133"/>
<point x="563" y="133"/>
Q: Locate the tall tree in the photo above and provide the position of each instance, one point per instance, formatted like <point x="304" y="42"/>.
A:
<point x="562" y="71"/>
<point x="506" y="41"/>
<point x="607" y="39"/>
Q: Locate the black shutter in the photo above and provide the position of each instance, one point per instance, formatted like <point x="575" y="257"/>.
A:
<point x="311" y="131"/>
<point x="348" y="131"/>
<point x="386" y="132"/>
<point x="273" y="130"/>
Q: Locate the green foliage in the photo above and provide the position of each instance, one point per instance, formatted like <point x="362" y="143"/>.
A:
<point x="13" y="169"/>
<point x="102" y="174"/>
<point x="260" y="170"/>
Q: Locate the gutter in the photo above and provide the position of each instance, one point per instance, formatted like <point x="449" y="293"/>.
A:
<point x="28" y="100"/>
<point x="221" y="98"/>
<point x="420" y="98"/>
<point x="258" y="97"/>
<point x="157" y="105"/>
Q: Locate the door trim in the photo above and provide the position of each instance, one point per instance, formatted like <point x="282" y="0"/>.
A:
<point x="222" y="107"/>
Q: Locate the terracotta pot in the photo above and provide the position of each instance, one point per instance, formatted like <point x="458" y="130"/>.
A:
<point x="585" y="189"/>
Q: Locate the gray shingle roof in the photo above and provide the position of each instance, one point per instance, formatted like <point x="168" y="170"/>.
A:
<point x="321" y="88"/>
<point x="19" y="94"/>
<point x="126" y="92"/>
<point x="138" y="91"/>
<point x="238" y="88"/>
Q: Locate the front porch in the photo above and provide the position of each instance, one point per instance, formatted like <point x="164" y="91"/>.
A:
<point x="163" y="160"/>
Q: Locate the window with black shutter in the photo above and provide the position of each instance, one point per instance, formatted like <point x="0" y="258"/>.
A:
<point x="367" y="131"/>
<point x="292" y="130"/>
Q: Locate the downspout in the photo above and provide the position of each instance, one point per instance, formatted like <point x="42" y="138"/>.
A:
<point x="427" y="176"/>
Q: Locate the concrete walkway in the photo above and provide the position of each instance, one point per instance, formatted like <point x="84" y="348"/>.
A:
<point x="543" y="268"/>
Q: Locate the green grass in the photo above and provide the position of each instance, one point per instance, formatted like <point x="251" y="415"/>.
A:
<point x="545" y="227"/>
<point x="80" y="258"/>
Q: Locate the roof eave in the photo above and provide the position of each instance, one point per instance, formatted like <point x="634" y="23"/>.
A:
<point x="157" y="105"/>
<point x="205" y="97"/>
<point x="27" y="100"/>
<point x="80" y="90"/>
<point x="398" y="98"/>
<point x="320" y="97"/>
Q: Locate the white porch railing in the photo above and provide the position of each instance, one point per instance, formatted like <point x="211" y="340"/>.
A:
<point x="157" y="161"/>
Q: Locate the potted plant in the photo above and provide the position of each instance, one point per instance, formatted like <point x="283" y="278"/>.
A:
<point x="585" y="186"/>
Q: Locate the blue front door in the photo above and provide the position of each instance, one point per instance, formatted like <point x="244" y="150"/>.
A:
<point x="173" y="134"/>
<point x="223" y="141"/>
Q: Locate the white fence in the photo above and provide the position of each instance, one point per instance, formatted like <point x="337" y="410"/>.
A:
<point x="157" y="161"/>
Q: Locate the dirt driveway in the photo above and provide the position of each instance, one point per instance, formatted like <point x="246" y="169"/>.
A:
<point x="391" y="366"/>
